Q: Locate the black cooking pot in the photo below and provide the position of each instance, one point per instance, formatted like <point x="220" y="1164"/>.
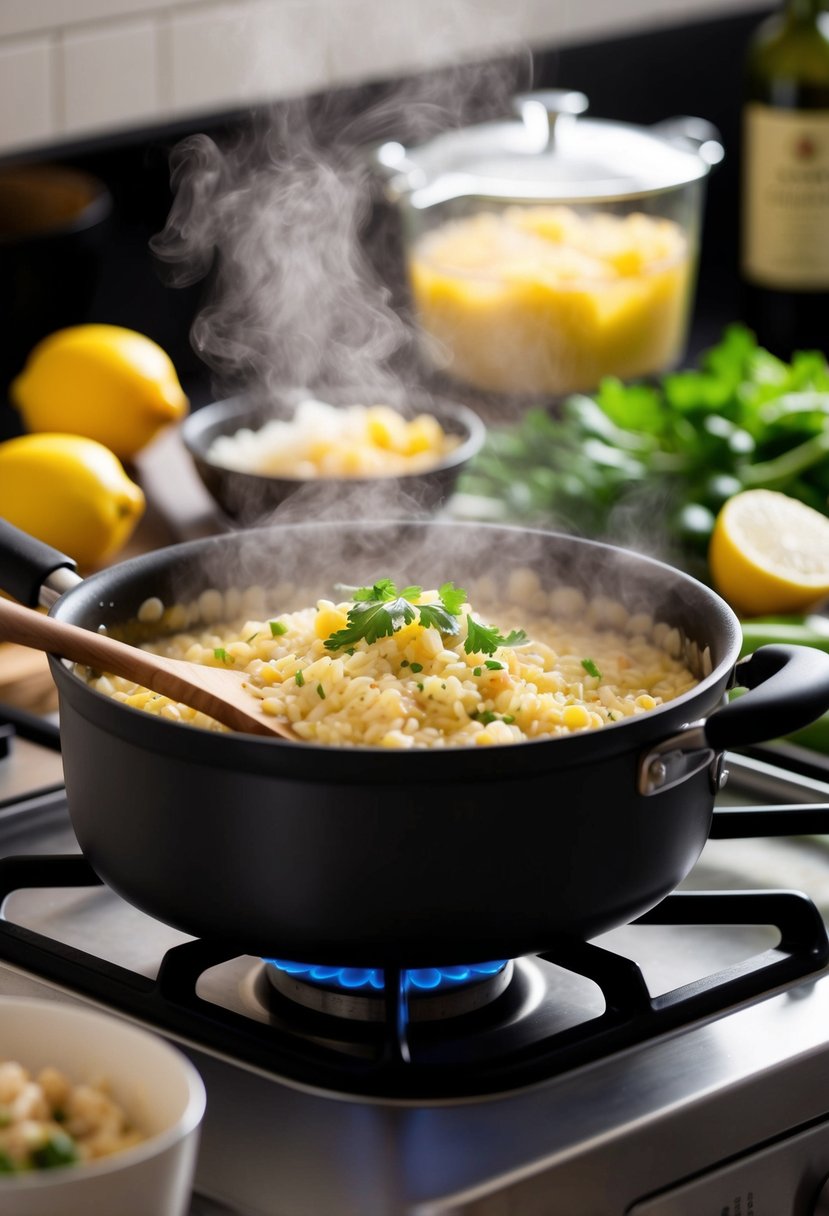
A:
<point x="428" y="857"/>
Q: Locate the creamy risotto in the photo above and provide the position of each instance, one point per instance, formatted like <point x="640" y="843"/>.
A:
<point x="407" y="667"/>
<point x="47" y="1121"/>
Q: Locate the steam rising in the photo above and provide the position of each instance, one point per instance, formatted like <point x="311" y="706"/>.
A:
<point x="279" y="214"/>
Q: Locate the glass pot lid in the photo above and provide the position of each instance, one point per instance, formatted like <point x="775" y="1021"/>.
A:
<point x="550" y="152"/>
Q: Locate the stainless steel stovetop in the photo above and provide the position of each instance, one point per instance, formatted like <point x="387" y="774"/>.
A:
<point x="725" y="1116"/>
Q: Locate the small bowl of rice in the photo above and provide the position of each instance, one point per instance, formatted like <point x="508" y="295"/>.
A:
<point x="96" y="1115"/>
<point x="355" y="458"/>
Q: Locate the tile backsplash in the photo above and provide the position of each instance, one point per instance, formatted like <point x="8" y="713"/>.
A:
<point x="72" y="69"/>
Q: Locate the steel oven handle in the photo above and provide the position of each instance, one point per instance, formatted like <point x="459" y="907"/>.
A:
<point x="788" y="689"/>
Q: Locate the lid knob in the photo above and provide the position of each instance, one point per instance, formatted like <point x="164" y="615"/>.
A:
<point x="540" y="110"/>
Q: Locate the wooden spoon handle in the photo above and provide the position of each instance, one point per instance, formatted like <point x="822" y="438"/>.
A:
<point x="96" y="650"/>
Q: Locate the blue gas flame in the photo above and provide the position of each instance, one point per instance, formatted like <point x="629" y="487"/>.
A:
<point x="424" y="979"/>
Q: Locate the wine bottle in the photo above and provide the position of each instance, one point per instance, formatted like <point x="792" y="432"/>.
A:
<point x="785" y="189"/>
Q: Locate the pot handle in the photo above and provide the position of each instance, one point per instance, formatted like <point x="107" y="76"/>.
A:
<point x="30" y="571"/>
<point x="789" y="687"/>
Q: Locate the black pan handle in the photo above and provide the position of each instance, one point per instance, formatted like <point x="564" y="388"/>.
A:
<point x="789" y="689"/>
<point x="27" y="565"/>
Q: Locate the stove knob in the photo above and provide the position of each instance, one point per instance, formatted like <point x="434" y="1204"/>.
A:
<point x="821" y="1207"/>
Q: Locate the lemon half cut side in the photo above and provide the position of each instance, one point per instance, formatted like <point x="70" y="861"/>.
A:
<point x="769" y="553"/>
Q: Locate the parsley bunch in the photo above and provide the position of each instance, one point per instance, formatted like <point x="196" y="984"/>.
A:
<point x="380" y="610"/>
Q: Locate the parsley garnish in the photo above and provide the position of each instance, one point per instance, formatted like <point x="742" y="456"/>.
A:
<point x="251" y="638"/>
<point x="486" y="716"/>
<point x="321" y="692"/>
<point x="591" y="668"/>
<point x="485" y="639"/>
<point x="299" y="679"/>
<point x="494" y="665"/>
<point x="416" y="667"/>
<point x="420" y="686"/>
<point x="477" y="671"/>
<point x="221" y="653"/>
<point x="277" y="628"/>
<point x="380" y="610"/>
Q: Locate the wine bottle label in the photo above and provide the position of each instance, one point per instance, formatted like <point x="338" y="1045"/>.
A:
<point x="786" y="198"/>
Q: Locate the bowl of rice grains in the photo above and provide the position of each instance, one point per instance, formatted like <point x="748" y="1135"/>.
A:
<point x="95" y="1114"/>
<point x="352" y="458"/>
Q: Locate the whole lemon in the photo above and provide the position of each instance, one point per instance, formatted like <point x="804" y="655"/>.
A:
<point x="101" y="381"/>
<point x="70" y="492"/>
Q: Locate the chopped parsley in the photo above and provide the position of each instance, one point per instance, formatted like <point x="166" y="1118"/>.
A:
<point x="404" y="662"/>
<point x="416" y="667"/>
<point x="419" y="686"/>
<point x="251" y="638"/>
<point x="221" y="654"/>
<point x="494" y="665"/>
<point x="321" y="692"/>
<point x="486" y="716"/>
<point x="277" y="628"/>
<point x="380" y="610"/>
<point x="477" y="671"/>
<point x="485" y="639"/>
<point x="299" y="678"/>
<point x="591" y="668"/>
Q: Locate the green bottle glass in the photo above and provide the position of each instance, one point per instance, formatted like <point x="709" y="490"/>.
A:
<point x="785" y="187"/>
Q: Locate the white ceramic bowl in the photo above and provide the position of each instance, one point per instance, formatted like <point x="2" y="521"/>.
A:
<point x="158" y="1088"/>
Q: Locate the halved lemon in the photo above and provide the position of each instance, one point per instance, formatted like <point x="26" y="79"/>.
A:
<point x="769" y="553"/>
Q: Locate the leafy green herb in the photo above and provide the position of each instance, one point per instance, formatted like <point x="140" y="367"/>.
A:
<point x="591" y="668"/>
<point x="404" y="662"/>
<point x="299" y="678"/>
<point x="486" y="716"/>
<point x="485" y="639"/>
<point x="477" y="671"/>
<point x="420" y="686"/>
<point x="59" y="1149"/>
<point x="277" y="628"/>
<point x="321" y="692"/>
<point x="221" y="654"/>
<point x="417" y="667"/>
<point x="351" y="650"/>
<point x="601" y="465"/>
<point x="453" y="598"/>
<point x="380" y="610"/>
<point x="494" y="665"/>
<point x="252" y="637"/>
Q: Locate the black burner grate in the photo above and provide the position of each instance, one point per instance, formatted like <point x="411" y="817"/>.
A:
<point x="400" y="1063"/>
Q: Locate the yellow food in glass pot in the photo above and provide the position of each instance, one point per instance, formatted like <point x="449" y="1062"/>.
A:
<point x="545" y="300"/>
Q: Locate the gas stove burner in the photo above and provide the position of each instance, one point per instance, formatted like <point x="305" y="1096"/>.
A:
<point x="358" y="992"/>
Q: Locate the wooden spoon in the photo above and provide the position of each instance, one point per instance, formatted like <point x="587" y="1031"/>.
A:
<point x="219" y="692"/>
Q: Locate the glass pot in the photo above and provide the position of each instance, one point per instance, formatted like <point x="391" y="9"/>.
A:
<point x="549" y="250"/>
